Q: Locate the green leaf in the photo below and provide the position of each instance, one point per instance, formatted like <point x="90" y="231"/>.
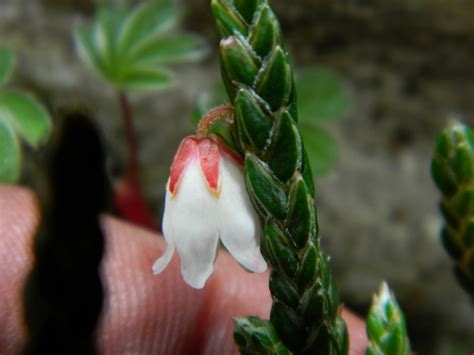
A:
<point x="266" y="191"/>
<point x="309" y="267"/>
<point x="266" y="34"/>
<point x="302" y="215"/>
<point x="173" y="48"/>
<point x="247" y="8"/>
<point x="109" y="22"/>
<point x="7" y="63"/>
<point x="275" y="80"/>
<point x="287" y="155"/>
<point x="87" y="48"/>
<point x="257" y="336"/>
<point x="239" y="60"/>
<point x="252" y="119"/>
<point x="276" y="246"/>
<point x="148" y="21"/>
<point x="321" y="148"/>
<point x="229" y="22"/>
<point x="289" y="326"/>
<point x="443" y="176"/>
<point x="283" y="291"/>
<point x="144" y="79"/>
<point x="10" y="154"/>
<point x="321" y="96"/>
<point x="27" y="116"/>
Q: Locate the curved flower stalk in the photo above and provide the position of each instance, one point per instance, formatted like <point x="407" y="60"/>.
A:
<point x="453" y="172"/>
<point x="260" y="84"/>
<point x="206" y="201"/>
<point x="386" y="327"/>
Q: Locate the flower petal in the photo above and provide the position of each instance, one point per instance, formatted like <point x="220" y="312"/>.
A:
<point x="209" y="157"/>
<point x="168" y="216"/>
<point x="163" y="260"/>
<point x="190" y="224"/>
<point x="181" y="159"/>
<point x="239" y="224"/>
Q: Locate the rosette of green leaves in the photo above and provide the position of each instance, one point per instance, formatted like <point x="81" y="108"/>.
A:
<point x="130" y="48"/>
<point x="452" y="169"/>
<point x="385" y="326"/>
<point x="22" y="117"/>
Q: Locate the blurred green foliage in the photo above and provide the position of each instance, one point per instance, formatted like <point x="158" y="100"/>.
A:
<point x="321" y="99"/>
<point x="21" y="116"/>
<point x="130" y="48"/>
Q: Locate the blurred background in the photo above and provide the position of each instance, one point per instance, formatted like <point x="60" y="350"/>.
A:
<point x="406" y="67"/>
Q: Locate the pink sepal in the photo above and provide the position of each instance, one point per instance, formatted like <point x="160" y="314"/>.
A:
<point x="185" y="152"/>
<point x="209" y="155"/>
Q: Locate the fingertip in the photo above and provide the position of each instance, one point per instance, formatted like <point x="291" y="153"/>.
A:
<point x="19" y="218"/>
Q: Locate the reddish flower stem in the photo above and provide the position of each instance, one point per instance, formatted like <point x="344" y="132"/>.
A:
<point x="216" y="114"/>
<point x="129" y="198"/>
<point x="127" y="116"/>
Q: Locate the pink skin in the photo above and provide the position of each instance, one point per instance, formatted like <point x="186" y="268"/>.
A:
<point x="144" y="314"/>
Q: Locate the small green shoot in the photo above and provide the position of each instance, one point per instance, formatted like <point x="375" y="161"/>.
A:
<point x="385" y="326"/>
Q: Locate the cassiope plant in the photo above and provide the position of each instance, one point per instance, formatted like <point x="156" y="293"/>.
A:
<point x="452" y="169"/>
<point x="259" y="81"/>
<point x="385" y="326"/>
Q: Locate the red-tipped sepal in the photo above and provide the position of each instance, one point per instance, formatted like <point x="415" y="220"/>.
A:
<point x="186" y="151"/>
<point x="209" y="156"/>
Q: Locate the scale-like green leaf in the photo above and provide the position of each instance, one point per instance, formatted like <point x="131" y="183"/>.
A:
<point x="321" y="95"/>
<point x="10" y="153"/>
<point x="173" y="48"/>
<point x="321" y="148"/>
<point x="7" y="63"/>
<point x="275" y="92"/>
<point x="256" y="336"/>
<point x="27" y="115"/>
<point x="144" y="79"/>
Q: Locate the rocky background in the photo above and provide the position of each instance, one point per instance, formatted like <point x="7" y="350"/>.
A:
<point x="408" y="65"/>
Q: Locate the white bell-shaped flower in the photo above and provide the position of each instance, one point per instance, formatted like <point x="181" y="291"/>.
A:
<point x="206" y="200"/>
